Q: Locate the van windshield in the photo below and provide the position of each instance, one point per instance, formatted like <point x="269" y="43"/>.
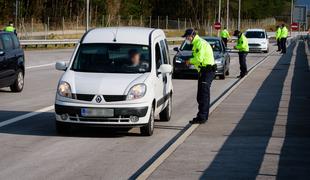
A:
<point x="255" y="34"/>
<point x="112" y="58"/>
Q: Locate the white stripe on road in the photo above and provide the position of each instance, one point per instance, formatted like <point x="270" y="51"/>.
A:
<point x="38" y="66"/>
<point x="25" y="116"/>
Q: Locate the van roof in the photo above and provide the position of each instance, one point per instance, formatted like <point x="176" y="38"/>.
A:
<point x="256" y="30"/>
<point x="124" y="35"/>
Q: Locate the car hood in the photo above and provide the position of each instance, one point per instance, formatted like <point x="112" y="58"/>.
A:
<point x="256" y="40"/>
<point x="102" y="83"/>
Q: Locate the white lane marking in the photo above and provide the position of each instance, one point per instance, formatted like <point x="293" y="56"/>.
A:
<point x="149" y="170"/>
<point x="25" y="116"/>
<point x="38" y="66"/>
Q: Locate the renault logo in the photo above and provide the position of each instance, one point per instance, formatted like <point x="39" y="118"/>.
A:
<point x="98" y="99"/>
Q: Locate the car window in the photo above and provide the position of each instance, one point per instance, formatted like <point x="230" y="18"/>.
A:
<point x="112" y="58"/>
<point x="158" y="56"/>
<point x="15" y="41"/>
<point x="164" y="52"/>
<point x="7" y="42"/>
<point x="255" y="34"/>
<point x="215" y="44"/>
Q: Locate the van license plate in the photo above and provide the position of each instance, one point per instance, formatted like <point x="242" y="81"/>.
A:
<point x="93" y="112"/>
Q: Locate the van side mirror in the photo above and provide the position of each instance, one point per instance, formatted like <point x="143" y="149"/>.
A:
<point x="165" y="69"/>
<point x="61" y="66"/>
<point x="176" y="49"/>
<point x="2" y="53"/>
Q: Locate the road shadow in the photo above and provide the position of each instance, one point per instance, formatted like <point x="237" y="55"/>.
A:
<point x="294" y="160"/>
<point x="242" y="154"/>
<point x="44" y="125"/>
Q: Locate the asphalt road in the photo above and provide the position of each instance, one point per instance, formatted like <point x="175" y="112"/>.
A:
<point x="31" y="149"/>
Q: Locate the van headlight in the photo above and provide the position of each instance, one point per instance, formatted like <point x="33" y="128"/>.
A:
<point x="136" y="92"/>
<point x="64" y="89"/>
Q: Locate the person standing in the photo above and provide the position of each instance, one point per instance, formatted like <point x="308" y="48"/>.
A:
<point x="203" y="60"/>
<point x="243" y="47"/>
<point x="284" y="34"/>
<point x="225" y="36"/>
<point x="10" y="28"/>
<point x="278" y="38"/>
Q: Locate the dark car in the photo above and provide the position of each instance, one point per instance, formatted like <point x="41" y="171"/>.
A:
<point x="12" y="62"/>
<point x="221" y="56"/>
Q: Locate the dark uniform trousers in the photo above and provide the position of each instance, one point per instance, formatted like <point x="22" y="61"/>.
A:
<point x="279" y="44"/>
<point x="225" y="40"/>
<point x="242" y="62"/>
<point x="283" y="45"/>
<point x="206" y="76"/>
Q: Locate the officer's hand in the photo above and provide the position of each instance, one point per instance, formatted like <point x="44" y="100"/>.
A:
<point x="187" y="62"/>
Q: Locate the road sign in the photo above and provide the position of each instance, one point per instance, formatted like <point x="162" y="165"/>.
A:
<point x="217" y="25"/>
<point x="294" y="26"/>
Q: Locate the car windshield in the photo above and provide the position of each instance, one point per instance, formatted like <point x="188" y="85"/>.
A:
<point x="112" y="58"/>
<point x="215" y="44"/>
<point x="255" y="34"/>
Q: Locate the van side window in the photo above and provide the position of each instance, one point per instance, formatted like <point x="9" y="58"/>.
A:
<point x="164" y="51"/>
<point x="166" y="43"/>
<point x="158" y="56"/>
<point x="15" y="41"/>
<point x="7" y="41"/>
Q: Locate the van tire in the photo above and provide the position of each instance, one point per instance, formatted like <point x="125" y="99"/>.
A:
<point x="62" y="128"/>
<point x="18" y="84"/>
<point x="148" y="129"/>
<point x="165" y="115"/>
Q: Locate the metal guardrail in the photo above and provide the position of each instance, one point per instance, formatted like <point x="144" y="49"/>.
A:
<point x="71" y="41"/>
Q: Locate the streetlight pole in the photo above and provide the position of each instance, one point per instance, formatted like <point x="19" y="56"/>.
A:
<point x="87" y="15"/>
<point x="227" y="16"/>
<point x="219" y="17"/>
<point x="292" y="11"/>
<point x="239" y="16"/>
<point x="16" y="12"/>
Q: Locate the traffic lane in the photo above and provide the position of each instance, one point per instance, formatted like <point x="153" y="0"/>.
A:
<point x="33" y="145"/>
<point x="36" y="58"/>
<point x="39" y="91"/>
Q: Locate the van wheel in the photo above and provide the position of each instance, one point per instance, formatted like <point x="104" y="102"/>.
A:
<point x="62" y="128"/>
<point x="18" y="85"/>
<point x="165" y="115"/>
<point x="149" y="128"/>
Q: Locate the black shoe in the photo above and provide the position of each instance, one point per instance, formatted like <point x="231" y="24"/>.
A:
<point x="197" y="120"/>
<point x="278" y="50"/>
<point x="240" y="76"/>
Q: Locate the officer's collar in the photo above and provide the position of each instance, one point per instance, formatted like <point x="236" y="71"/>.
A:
<point x="195" y="38"/>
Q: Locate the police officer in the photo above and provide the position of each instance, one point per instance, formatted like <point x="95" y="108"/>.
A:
<point x="10" y="28"/>
<point x="203" y="61"/>
<point x="225" y="36"/>
<point x="284" y="34"/>
<point x="243" y="47"/>
<point x="278" y="38"/>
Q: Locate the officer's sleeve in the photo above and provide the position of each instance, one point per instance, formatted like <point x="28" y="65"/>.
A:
<point x="198" y="54"/>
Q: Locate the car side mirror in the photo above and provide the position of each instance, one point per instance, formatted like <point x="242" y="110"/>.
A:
<point x="61" y="66"/>
<point x="176" y="49"/>
<point x="165" y="69"/>
<point x="2" y="53"/>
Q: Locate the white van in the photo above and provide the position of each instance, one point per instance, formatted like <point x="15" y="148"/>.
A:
<point x="258" y="40"/>
<point x="117" y="77"/>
